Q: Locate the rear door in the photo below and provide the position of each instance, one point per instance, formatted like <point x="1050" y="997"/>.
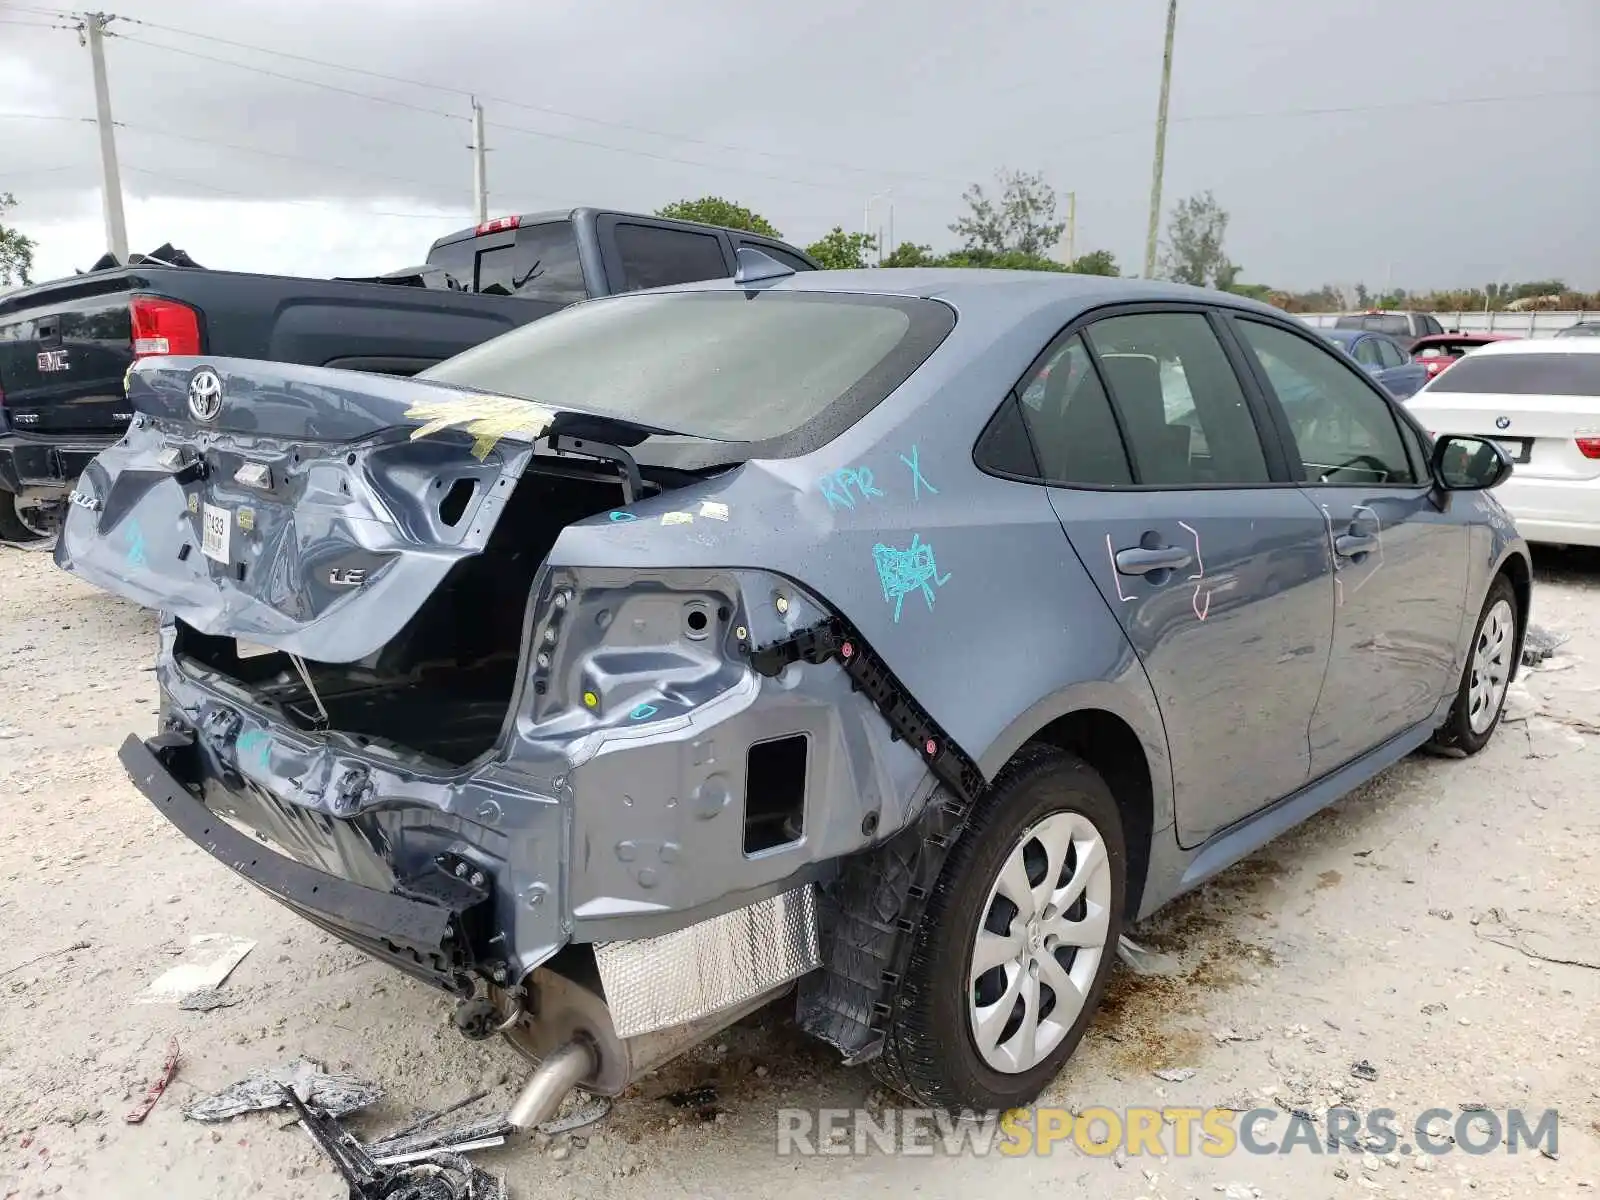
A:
<point x="62" y="359"/>
<point x="1215" y="564"/>
<point x="1402" y="564"/>
<point x="1399" y="374"/>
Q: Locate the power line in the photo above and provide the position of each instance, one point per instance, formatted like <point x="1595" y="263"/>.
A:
<point x="316" y="83"/>
<point x="555" y="112"/>
<point x="31" y="24"/>
<point x="11" y="116"/>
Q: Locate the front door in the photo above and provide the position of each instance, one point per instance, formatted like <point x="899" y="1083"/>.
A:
<point x="1212" y="560"/>
<point x="1402" y="566"/>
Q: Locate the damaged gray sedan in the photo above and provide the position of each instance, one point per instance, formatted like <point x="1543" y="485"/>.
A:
<point x="886" y="638"/>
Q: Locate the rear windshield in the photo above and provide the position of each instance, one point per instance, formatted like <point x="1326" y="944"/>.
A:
<point x="788" y="370"/>
<point x="1393" y="325"/>
<point x="541" y="263"/>
<point x="1523" y="375"/>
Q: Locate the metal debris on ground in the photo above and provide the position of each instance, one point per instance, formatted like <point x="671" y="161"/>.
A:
<point x="210" y="959"/>
<point x="1143" y="961"/>
<point x="263" y="1089"/>
<point x="1364" y="1070"/>
<point x="1539" y="644"/>
<point x="157" y="1087"/>
<point x="38" y="958"/>
<point x="205" y="1001"/>
<point x="443" y="1177"/>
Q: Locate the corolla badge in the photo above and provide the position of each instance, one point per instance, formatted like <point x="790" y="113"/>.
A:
<point x="1502" y="422"/>
<point x="205" y="394"/>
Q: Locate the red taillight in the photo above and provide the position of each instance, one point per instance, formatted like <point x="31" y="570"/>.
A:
<point x="1589" y="447"/>
<point x="163" y="327"/>
<point x="1435" y="365"/>
<point x="499" y="223"/>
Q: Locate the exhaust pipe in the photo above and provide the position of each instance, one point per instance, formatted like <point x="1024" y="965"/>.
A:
<point x="552" y="1080"/>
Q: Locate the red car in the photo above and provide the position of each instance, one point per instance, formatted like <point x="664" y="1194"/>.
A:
<point x="1437" y="351"/>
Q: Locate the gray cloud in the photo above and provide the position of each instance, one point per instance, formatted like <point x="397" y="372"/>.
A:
<point x="920" y="97"/>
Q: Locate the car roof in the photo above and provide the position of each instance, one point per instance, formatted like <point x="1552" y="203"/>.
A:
<point x="1001" y="292"/>
<point x="1346" y="336"/>
<point x="1542" y="346"/>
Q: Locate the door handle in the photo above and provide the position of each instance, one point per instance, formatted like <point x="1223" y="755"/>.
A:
<point x="1351" y="544"/>
<point x="1140" y="561"/>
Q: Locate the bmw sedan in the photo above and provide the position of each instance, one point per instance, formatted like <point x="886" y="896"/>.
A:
<point x="887" y="641"/>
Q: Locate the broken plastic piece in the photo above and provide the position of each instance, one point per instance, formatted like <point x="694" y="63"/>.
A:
<point x="263" y="1089"/>
<point x="210" y="959"/>
<point x="155" y="1090"/>
<point x="1142" y="961"/>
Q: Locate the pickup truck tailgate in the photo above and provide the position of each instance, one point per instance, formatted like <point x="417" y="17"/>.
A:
<point x="63" y="358"/>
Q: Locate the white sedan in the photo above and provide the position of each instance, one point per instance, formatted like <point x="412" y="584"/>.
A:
<point x="1541" y="401"/>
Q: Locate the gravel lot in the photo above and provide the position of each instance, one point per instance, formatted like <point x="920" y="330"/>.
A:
<point x="1362" y="936"/>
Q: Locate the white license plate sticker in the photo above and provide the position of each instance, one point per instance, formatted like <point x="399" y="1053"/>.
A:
<point x="215" y="526"/>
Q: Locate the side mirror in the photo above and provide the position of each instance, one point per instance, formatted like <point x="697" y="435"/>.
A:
<point x="1469" y="464"/>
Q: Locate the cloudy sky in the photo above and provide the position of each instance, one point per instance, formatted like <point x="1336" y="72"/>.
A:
<point x="1415" y="142"/>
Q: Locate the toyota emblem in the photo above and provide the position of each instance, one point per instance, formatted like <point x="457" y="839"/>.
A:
<point x="205" y="394"/>
<point x="1502" y="422"/>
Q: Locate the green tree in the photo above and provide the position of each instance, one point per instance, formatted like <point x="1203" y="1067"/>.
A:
<point x="714" y="210"/>
<point x="1194" y="252"/>
<point x="837" y="250"/>
<point x="1000" y="260"/>
<point x="1023" y="219"/>
<point x="1096" y="262"/>
<point x="16" y="249"/>
<point x="1363" y="297"/>
<point x="909" y="254"/>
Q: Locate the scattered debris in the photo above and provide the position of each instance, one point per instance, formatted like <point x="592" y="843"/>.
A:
<point x="1340" y="1173"/>
<point x="423" y="1122"/>
<point x="1444" y="914"/>
<point x="157" y="1087"/>
<point x="584" y="1113"/>
<point x="1471" y="1106"/>
<point x="1238" y="1191"/>
<point x="210" y="959"/>
<point x="1434" y="1009"/>
<point x="263" y="1089"/>
<point x="1364" y="1070"/>
<point x="702" y="1100"/>
<point x="1227" y="1034"/>
<point x="443" y="1177"/>
<point x="1558" y="942"/>
<point x="482" y="1133"/>
<point x="37" y="958"/>
<point x="206" y="1000"/>
<point x="1143" y="961"/>
<point x="1176" y="1074"/>
<point x="1539" y="644"/>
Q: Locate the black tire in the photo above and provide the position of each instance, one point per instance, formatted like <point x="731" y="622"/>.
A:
<point x="930" y="1054"/>
<point x="1456" y="736"/>
<point x="11" y="527"/>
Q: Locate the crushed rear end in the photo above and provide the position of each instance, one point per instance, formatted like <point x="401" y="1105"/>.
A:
<point x="575" y="789"/>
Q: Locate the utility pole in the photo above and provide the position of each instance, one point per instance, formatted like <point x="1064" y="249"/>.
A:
<point x="1072" y="228"/>
<point x="480" y="167"/>
<point x="1161" y="146"/>
<point x="91" y="32"/>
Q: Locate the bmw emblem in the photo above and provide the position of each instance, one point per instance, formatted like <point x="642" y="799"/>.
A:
<point x="1502" y="422"/>
<point x="205" y="394"/>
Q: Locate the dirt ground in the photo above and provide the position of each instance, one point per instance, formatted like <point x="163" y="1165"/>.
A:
<point x="1379" y="932"/>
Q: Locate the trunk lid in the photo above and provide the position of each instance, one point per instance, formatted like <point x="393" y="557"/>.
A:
<point x="305" y="509"/>
<point x="64" y="349"/>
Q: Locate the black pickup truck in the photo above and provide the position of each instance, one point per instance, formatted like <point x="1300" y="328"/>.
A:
<point x="65" y="346"/>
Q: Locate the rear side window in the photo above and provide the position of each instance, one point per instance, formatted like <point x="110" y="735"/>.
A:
<point x="1069" y="417"/>
<point x="1523" y="375"/>
<point x="1180" y="404"/>
<point x="1367" y="353"/>
<point x="787" y="371"/>
<point x="1344" y="430"/>
<point x="1390" y="353"/>
<point x="655" y="257"/>
<point x="541" y="263"/>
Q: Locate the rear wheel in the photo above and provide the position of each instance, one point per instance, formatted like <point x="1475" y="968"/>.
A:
<point x="1019" y="937"/>
<point x="12" y="528"/>
<point x="1481" y="696"/>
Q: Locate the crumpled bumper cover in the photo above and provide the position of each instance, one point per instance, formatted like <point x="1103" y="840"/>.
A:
<point x="423" y="937"/>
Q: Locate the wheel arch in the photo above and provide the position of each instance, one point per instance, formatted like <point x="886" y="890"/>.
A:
<point x="1518" y="570"/>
